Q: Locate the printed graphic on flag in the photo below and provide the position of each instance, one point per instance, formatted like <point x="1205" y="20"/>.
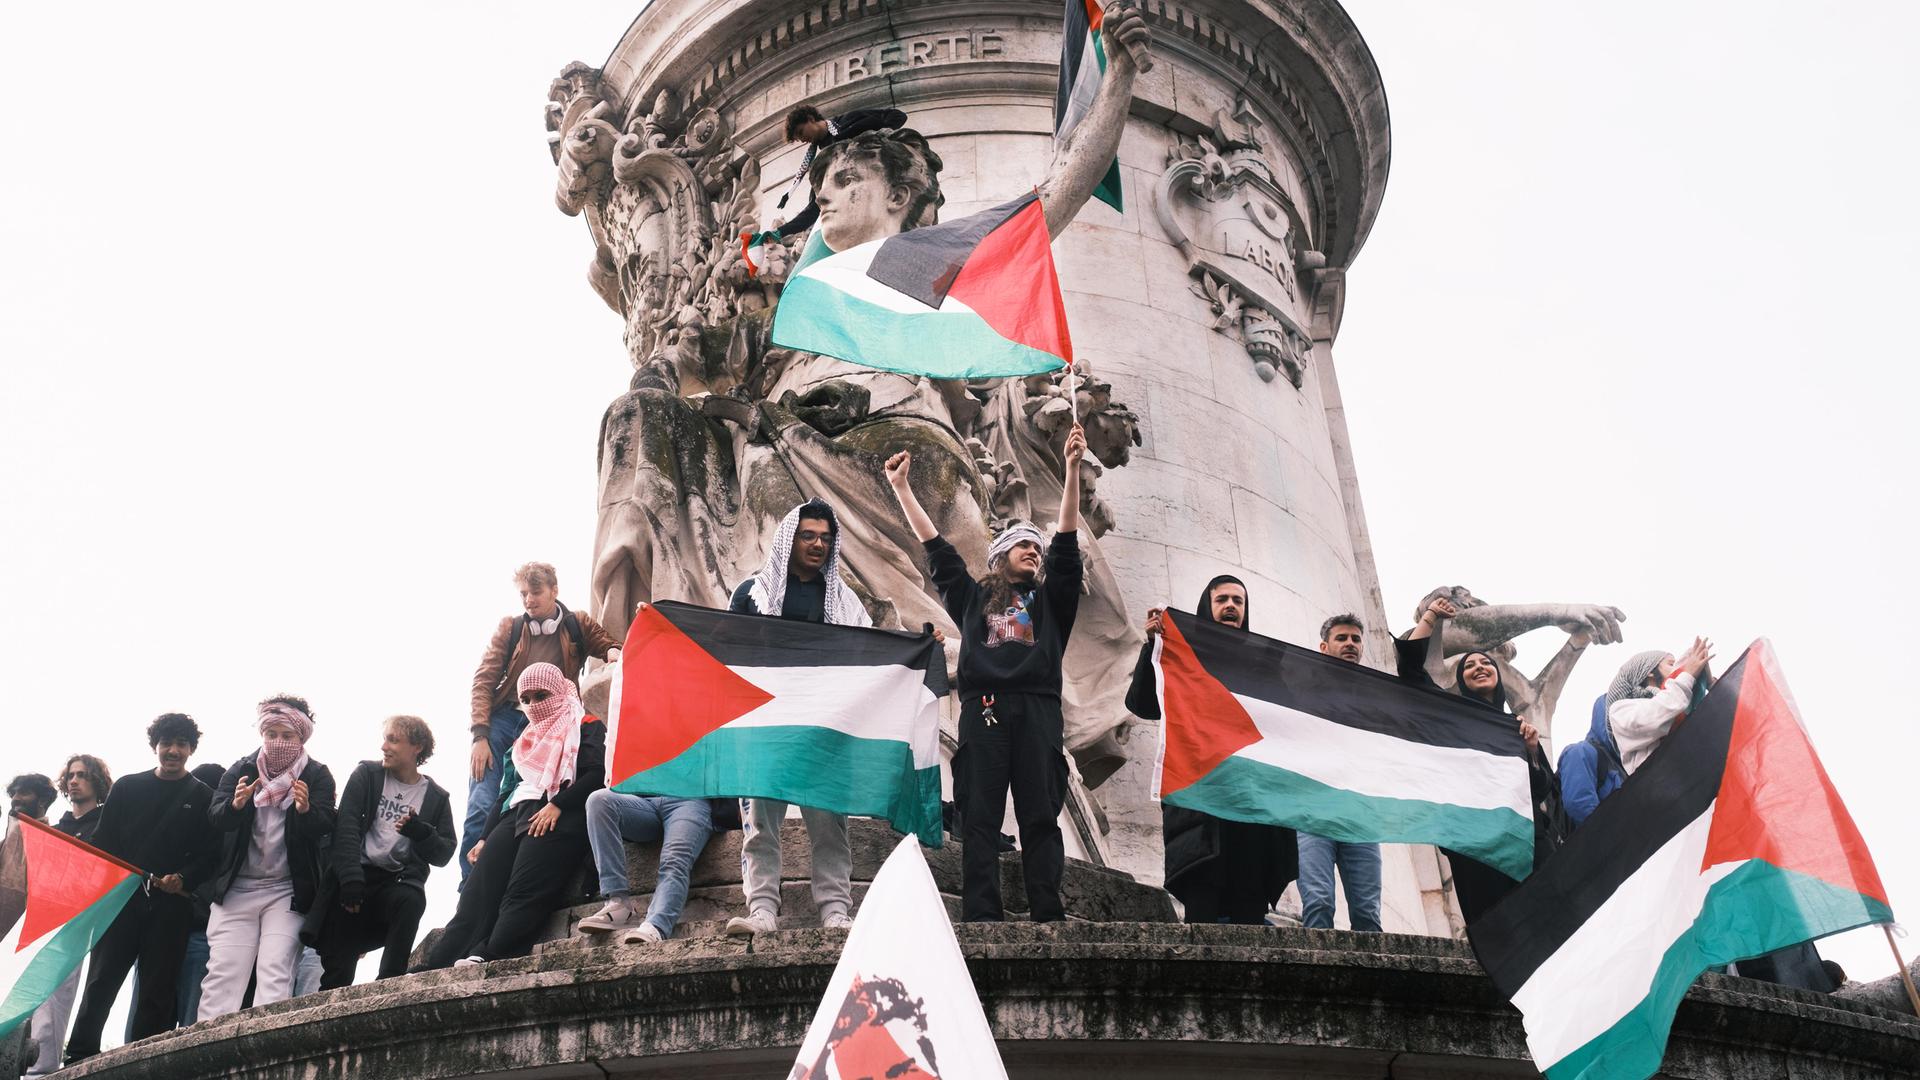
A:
<point x="1729" y="843"/>
<point x="900" y="1003"/>
<point x="53" y="914"/>
<point x="965" y="299"/>
<point x="710" y="704"/>
<point x="1083" y="62"/>
<point x="1258" y="730"/>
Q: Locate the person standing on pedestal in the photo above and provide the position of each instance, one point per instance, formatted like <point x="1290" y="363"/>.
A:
<point x="85" y="780"/>
<point x="801" y="580"/>
<point x="395" y="825"/>
<point x="1221" y="871"/>
<point x="808" y="125"/>
<point x="1341" y="637"/>
<point x="546" y="632"/>
<point x="275" y="808"/>
<point x="1014" y="625"/>
<point x="156" y="820"/>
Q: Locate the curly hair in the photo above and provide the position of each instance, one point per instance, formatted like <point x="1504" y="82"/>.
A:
<point x="801" y="114"/>
<point x="294" y="700"/>
<point x="414" y="730"/>
<point x="173" y="727"/>
<point x="96" y="771"/>
<point x="33" y="783"/>
<point x="903" y="157"/>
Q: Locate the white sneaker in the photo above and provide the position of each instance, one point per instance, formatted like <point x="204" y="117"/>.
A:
<point x="837" y="921"/>
<point x="644" y="934"/>
<point x="619" y="914"/>
<point x="468" y="961"/>
<point x="759" y="922"/>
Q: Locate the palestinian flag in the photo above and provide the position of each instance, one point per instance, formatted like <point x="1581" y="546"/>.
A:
<point x="70" y="895"/>
<point x="1258" y="730"/>
<point x="751" y="246"/>
<point x="1729" y="843"/>
<point x="1083" y="62"/>
<point x="974" y="298"/>
<point x="901" y="1004"/>
<point x="710" y="704"/>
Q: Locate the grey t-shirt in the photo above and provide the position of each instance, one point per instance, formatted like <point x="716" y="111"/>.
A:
<point x="382" y="845"/>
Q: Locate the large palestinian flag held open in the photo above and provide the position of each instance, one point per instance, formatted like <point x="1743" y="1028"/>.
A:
<point x="1255" y="729"/>
<point x="1730" y="842"/>
<point x="1083" y="63"/>
<point x="968" y="299"/>
<point x="710" y="704"/>
<point x="70" y="895"/>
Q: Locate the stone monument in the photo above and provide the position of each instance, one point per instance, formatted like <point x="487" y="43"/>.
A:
<point x="1253" y="153"/>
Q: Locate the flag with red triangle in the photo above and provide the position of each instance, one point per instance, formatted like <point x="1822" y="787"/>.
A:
<point x="710" y="704"/>
<point x="900" y="1005"/>
<point x="1729" y="842"/>
<point x="53" y="913"/>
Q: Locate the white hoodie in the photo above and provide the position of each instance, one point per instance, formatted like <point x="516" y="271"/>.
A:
<point x="1639" y="724"/>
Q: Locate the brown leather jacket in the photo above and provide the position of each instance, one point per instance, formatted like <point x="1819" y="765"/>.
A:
<point x="494" y="679"/>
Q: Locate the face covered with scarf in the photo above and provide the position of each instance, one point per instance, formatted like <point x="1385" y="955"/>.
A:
<point x="284" y="731"/>
<point x="546" y="752"/>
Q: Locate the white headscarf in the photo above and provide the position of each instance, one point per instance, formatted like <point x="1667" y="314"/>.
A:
<point x="841" y="603"/>
<point x="1015" y="532"/>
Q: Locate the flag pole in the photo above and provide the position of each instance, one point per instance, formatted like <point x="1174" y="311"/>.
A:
<point x="1906" y="977"/>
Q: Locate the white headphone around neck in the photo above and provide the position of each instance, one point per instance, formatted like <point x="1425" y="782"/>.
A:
<point x="539" y="627"/>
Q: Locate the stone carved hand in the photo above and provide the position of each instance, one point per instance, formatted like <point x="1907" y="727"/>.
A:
<point x="1599" y="621"/>
<point x="1125" y="27"/>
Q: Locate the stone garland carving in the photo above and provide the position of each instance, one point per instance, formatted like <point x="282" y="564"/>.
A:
<point x="721" y="432"/>
<point x="1239" y="232"/>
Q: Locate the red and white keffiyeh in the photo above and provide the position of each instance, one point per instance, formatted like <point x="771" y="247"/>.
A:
<point x="280" y="765"/>
<point x="547" y="751"/>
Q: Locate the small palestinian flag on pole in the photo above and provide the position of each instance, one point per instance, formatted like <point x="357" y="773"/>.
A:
<point x="1258" y="730"/>
<point x="71" y="894"/>
<point x="1083" y="62"/>
<point x="1729" y="843"/>
<point x="751" y="244"/>
<point x="900" y="1004"/>
<point x="713" y="705"/>
<point x="974" y="298"/>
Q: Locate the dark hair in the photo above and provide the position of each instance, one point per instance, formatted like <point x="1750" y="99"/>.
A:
<point x="1346" y="619"/>
<point x="294" y="700"/>
<point x="33" y="783"/>
<point x="903" y="158"/>
<point x="96" y="771"/>
<point x="801" y="114"/>
<point x="819" y="510"/>
<point x="414" y="730"/>
<point x="173" y="727"/>
<point x="209" y="774"/>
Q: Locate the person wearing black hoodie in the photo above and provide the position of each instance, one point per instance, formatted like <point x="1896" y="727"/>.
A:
<point x="1221" y="871"/>
<point x="395" y="824"/>
<point x="809" y="125"/>
<point x="1014" y="624"/>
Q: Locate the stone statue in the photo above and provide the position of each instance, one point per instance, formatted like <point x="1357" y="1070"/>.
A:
<point x="721" y="432"/>
<point x="1480" y="626"/>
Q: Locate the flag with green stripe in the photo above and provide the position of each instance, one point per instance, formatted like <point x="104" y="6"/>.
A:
<point x="1257" y="730"/>
<point x="54" y="914"/>
<point x="710" y="704"/>
<point x="1083" y="63"/>
<point x="1728" y="843"/>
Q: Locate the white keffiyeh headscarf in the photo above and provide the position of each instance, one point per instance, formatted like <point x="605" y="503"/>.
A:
<point x="841" y="602"/>
<point x="1015" y="532"/>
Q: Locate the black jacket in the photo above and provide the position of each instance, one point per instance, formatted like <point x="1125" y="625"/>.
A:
<point x="589" y="776"/>
<point x="1004" y="662"/>
<point x="306" y="834"/>
<point x="159" y="826"/>
<point x="431" y="832"/>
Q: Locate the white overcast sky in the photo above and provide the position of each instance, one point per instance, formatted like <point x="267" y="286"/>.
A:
<point x="300" y="359"/>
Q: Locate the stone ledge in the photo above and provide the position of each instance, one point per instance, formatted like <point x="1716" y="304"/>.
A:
<point x="1162" y="999"/>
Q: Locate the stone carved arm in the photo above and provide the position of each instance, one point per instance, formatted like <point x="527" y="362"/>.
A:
<point x="1080" y="164"/>
<point x="1544" y="689"/>
<point x="1488" y="626"/>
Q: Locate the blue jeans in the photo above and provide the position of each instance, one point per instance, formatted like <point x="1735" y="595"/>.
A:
<point x="681" y="826"/>
<point x="505" y="724"/>
<point x="1359" y="872"/>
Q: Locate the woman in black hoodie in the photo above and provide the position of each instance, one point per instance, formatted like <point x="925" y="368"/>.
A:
<point x="274" y="811"/>
<point x="1221" y="871"/>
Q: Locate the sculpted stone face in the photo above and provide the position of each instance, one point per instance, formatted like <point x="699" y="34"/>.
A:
<point x="857" y="204"/>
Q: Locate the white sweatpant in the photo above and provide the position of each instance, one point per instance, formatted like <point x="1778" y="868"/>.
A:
<point x="760" y="857"/>
<point x="50" y="1025"/>
<point x="254" y="931"/>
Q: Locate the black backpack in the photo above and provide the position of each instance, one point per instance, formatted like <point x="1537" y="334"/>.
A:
<point x="567" y="619"/>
